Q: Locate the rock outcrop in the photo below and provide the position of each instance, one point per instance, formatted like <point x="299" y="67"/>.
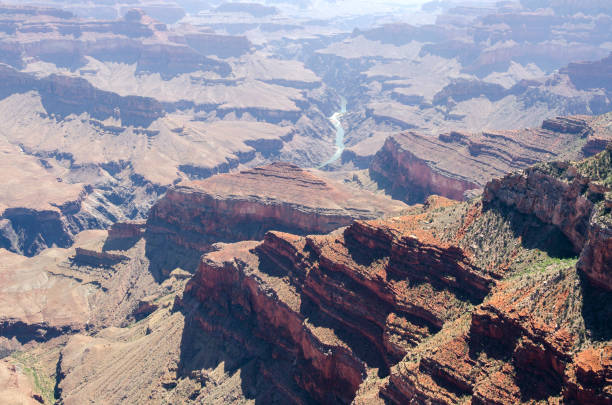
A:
<point x="245" y="205"/>
<point x="449" y="302"/>
<point x="62" y="96"/>
<point x="39" y="303"/>
<point x="452" y="302"/>
<point x="63" y="291"/>
<point x="337" y="307"/>
<point x="126" y="230"/>
<point x="413" y="166"/>
<point x="136" y="38"/>
<point x="516" y="347"/>
<point x="575" y="197"/>
<point x="591" y="75"/>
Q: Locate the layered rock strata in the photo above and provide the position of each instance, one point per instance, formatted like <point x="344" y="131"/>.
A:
<point x="450" y="303"/>
<point x="576" y="198"/>
<point x="542" y="335"/>
<point x="589" y="75"/>
<point x="62" y="96"/>
<point x="521" y="345"/>
<point x="337" y="307"/>
<point x="413" y="166"/>
<point x="244" y="206"/>
<point x="137" y="38"/>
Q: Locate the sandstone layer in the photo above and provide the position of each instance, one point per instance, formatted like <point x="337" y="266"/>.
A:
<point x="477" y="302"/>
<point x="521" y="345"/>
<point x="413" y="166"/>
<point x="450" y="302"/>
<point x="338" y="307"/>
<point x="245" y="205"/>
<point x="344" y="296"/>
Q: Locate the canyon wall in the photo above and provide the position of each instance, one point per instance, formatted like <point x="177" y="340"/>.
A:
<point x="245" y="205"/>
<point x="575" y="197"/>
<point x="412" y="165"/>
<point x="62" y="96"/>
<point x="336" y="307"/>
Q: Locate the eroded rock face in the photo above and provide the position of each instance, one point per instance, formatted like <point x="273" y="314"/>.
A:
<point x="244" y="206"/>
<point x="589" y="75"/>
<point x="575" y="198"/>
<point x="413" y="166"/>
<point x="325" y="366"/>
<point x="411" y="178"/>
<point x="36" y="304"/>
<point x="62" y="96"/>
<point x="137" y="38"/>
<point x="449" y="302"/>
<point x="400" y="305"/>
<point x="515" y="347"/>
<point x="590" y="372"/>
<point x="337" y="307"/>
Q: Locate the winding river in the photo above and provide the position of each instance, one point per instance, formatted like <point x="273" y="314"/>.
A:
<point x="335" y="120"/>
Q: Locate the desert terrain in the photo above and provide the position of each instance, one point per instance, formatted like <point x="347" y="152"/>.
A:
<point x="305" y="201"/>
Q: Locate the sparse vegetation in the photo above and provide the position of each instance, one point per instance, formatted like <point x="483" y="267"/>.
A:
<point x="538" y="262"/>
<point x="598" y="168"/>
<point x="43" y="384"/>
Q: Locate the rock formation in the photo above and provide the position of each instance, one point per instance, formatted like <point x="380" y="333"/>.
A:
<point x="451" y="301"/>
<point x="413" y="166"/>
<point x="151" y="251"/>
<point x="575" y="197"/>
<point x="591" y="75"/>
<point x="135" y="39"/>
<point x="62" y="96"/>
<point x="244" y="206"/>
<point x="516" y="347"/>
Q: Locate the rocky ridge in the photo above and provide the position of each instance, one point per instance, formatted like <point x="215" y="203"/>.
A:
<point x="450" y="302"/>
<point x="575" y="197"/>
<point x="245" y="205"/>
<point x="413" y="166"/>
<point x="136" y="38"/>
<point x="500" y="301"/>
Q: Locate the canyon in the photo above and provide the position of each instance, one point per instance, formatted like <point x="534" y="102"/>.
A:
<point x="292" y="202"/>
<point x="419" y="301"/>
<point x="403" y="308"/>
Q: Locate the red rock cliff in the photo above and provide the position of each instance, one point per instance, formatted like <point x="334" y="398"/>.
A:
<point x="575" y="197"/>
<point x="341" y="306"/>
<point x="413" y="166"/>
<point x="243" y="206"/>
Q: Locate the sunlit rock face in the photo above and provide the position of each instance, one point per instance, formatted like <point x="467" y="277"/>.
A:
<point x="413" y="165"/>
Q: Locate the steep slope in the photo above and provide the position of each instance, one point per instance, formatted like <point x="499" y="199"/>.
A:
<point x="525" y="343"/>
<point x="589" y="75"/>
<point x="542" y="334"/>
<point x="451" y="302"/>
<point x="413" y="166"/>
<point x="243" y="206"/>
<point x="575" y="197"/>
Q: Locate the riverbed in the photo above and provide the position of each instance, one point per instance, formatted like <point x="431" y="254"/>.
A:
<point x="335" y="120"/>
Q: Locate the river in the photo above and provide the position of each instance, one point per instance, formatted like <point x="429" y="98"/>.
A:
<point x="335" y="120"/>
